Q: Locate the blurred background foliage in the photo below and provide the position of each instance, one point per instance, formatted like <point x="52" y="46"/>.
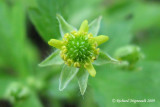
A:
<point x="27" y="25"/>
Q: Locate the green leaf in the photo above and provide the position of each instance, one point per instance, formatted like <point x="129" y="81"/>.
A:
<point x="112" y="83"/>
<point x="65" y="94"/>
<point x="67" y="74"/>
<point x="82" y="76"/>
<point x="53" y="59"/>
<point x="64" y="26"/>
<point x="13" y="18"/>
<point x="43" y="16"/>
<point x="119" y="33"/>
<point x="94" y="26"/>
<point x="104" y="58"/>
<point x="32" y="101"/>
<point x="144" y="10"/>
<point x="5" y="80"/>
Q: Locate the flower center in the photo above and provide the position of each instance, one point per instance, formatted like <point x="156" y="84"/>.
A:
<point x="79" y="48"/>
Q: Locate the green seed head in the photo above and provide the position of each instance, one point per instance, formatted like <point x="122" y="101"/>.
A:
<point x="79" y="48"/>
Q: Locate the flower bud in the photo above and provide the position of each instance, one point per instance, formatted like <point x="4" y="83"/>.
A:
<point x="129" y="56"/>
<point x="17" y="92"/>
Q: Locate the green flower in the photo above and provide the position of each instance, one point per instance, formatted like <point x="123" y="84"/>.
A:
<point x="78" y="51"/>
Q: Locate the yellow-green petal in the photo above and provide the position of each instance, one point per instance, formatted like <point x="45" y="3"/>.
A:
<point x="101" y="39"/>
<point x="84" y="26"/>
<point x="56" y="43"/>
<point x="90" y="69"/>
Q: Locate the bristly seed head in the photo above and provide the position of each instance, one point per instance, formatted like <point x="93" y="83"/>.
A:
<point x="79" y="48"/>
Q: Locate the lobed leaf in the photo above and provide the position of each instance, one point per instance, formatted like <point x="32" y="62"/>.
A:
<point x="43" y="17"/>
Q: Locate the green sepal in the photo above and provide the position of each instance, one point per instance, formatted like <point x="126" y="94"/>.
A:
<point x="94" y="26"/>
<point x="64" y="26"/>
<point x="82" y="77"/>
<point x="104" y="58"/>
<point x="53" y="59"/>
<point x="67" y="74"/>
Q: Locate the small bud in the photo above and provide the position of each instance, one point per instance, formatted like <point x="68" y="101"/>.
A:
<point x="129" y="54"/>
<point x="94" y="58"/>
<point x="97" y="51"/>
<point x="73" y="32"/>
<point x="63" y="47"/>
<point x="69" y="62"/>
<point x="64" y="57"/>
<point x="66" y="35"/>
<point x="90" y="35"/>
<point x="64" y="50"/>
<point x="17" y="92"/>
<point x="86" y="64"/>
<point x="77" y="64"/>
